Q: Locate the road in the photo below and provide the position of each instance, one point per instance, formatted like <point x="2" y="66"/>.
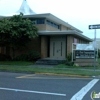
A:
<point x="19" y="86"/>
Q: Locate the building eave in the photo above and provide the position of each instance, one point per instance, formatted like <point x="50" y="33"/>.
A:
<point x="70" y="32"/>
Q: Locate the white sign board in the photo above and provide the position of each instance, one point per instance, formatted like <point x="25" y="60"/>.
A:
<point x="84" y="47"/>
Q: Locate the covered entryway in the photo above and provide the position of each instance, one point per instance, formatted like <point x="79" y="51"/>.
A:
<point x="57" y="46"/>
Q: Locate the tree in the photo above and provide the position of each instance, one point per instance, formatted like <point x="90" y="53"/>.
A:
<point x="5" y="27"/>
<point x="16" y="31"/>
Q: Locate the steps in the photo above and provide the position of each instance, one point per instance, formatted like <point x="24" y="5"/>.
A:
<point x="49" y="61"/>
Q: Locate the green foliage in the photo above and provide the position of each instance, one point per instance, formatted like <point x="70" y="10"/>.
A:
<point x="69" y="57"/>
<point x="32" y="56"/>
<point x="5" y="27"/>
<point x="16" y="31"/>
<point x="68" y="60"/>
<point x="4" y="57"/>
<point x="16" y="63"/>
<point x="22" y="57"/>
<point x="69" y="63"/>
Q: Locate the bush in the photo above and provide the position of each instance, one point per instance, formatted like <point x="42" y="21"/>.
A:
<point x="4" y="57"/>
<point x="22" y="57"/>
<point x="68" y="60"/>
<point x="32" y="56"/>
<point x="69" y="57"/>
<point x="69" y="63"/>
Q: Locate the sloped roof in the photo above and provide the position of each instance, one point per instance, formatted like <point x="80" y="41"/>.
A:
<point x="54" y="19"/>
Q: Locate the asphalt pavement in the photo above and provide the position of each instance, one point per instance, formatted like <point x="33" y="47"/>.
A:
<point x="19" y="86"/>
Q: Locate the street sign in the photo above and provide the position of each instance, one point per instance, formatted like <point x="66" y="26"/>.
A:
<point x="94" y="26"/>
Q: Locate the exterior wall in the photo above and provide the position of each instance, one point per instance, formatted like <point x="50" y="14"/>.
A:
<point x="62" y="27"/>
<point x="69" y="43"/>
<point x="41" y="26"/>
<point x="70" y="40"/>
<point x="80" y="40"/>
<point x="34" y="45"/>
<point x="3" y="50"/>
<point x="44" y="46"/>
<point x="46" y="27"/>
<point x="50" y="28"/>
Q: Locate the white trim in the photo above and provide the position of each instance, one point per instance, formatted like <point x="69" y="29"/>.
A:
<point x="29" y="91"/>
<point x="79" y="95"/>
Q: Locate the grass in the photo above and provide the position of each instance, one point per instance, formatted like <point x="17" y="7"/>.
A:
<point x="76" y="67"/>
<point x="19" y="63"/>
<point x="21" y="66"/>
<point x="28" y="69"/>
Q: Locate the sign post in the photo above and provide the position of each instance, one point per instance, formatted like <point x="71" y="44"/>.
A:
<point x="94" y="52"/>
<point x="97" y="26"/>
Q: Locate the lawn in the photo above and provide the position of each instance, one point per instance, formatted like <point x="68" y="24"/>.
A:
<point x="62" y="69"/>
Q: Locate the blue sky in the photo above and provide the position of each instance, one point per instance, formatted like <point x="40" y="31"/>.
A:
<point x="78" y="13"/>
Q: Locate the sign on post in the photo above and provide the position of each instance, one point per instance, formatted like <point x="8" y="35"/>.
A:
<point x="94" y="26"/>
<point x="97" y="26"/>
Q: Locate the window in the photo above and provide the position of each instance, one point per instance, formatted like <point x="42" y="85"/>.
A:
<point x="52" y="24"/>
<point x="75" y="40"/>
<point x="48" y="22"/>
<point x="38" y="21"/>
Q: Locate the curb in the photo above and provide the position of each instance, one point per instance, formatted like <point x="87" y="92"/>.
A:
<point x="52" y="74"/>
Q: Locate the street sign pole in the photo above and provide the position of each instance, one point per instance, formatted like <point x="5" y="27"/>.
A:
<point x="97" y="26"/>
<point x="94" y="52"/>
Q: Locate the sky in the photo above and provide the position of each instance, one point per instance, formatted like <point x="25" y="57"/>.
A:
<point x="78" y="13"/>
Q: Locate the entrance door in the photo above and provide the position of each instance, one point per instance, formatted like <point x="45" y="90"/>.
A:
<point x="57" y="46"/>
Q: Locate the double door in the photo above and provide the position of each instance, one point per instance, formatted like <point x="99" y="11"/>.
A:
<point x="57" y="46"/>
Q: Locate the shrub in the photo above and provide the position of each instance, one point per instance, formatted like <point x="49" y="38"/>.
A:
<point x="4" y="57"/>
<point x="22" y="57"/>
<point x="68" y="60"/>
<point x="33" y="56"/>
<point x="69" y="57"/>
<point x="69" y="63"/>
